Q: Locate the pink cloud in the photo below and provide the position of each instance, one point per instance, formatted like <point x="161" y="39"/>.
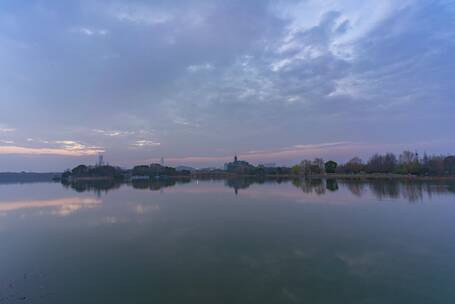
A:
<point x="65" y="151"/>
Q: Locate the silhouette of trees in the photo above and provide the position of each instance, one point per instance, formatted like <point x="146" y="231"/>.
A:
<point x="449" y="164"/>
<point x="308" y="167"/>
<point x="155" y="170"/>
<point x="409" y="163"/>
<point x="355" y="165"/>
<point x="330" y="166"/>
<point x="406" y="163"/>
<point x="80" y="170"/>
<point x="382" y="163"/>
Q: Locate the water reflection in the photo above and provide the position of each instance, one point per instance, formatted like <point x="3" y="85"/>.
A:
<point x="103" y="186"/>
<point x="382" y="189"/>
<point x="332" y="184"/>
<point x="411" y="190"/>
<point x="276" y="241"/>
<point x="241" y="183"/>
<point x="156" y="185"/>
<point x="59" y="206"/>
<point x="98" y="187"/>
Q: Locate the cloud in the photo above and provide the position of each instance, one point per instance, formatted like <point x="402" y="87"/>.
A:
<point x="316" y="27"/>
<point x="113" y="133"/>
<point x="145" y="143"/>
<point x="66" y="148"/>
<point x="6" y="130"/>
<point x="141" y="14"/>
<point x="47" y="151"/>
<point x="89" y="31"/>
<point x="8" y="142"/>
<point x="74" y="146"/>
<point x="37" y="140"/>
<point x="200" y="67"/>
<point x="185" y="122"/>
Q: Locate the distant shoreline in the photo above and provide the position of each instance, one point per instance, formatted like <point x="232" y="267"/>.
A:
<point x="27" y="177"/>
<point x="383" y="176"/>
<point x="332" y="175"/>
<point x="290" y="176"/>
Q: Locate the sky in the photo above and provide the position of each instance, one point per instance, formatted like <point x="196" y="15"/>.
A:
<point x="196" y="82"/>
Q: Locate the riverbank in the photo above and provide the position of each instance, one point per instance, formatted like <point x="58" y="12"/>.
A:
<point x="386" y="176"/>
<point x="332" y="175"/>
<point x="290" y="176"/>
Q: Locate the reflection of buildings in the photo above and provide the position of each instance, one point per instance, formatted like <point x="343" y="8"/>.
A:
<point x="245" y="182"/>
<point x="240" y="183"/>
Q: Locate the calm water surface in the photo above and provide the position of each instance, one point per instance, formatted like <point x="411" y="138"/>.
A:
<point x="236" y="241"/>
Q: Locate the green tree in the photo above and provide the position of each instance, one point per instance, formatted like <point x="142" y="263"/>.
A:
<point x="449" y="165"/>
<point x="355" y="165"/>
<point x="330" y="166"/>
<point x="295" y="170"/>
<point x="79" y="170"/>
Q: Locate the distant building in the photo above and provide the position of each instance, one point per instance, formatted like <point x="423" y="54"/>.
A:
<point x="100" y="160"/>
<point x="239" y="166"/>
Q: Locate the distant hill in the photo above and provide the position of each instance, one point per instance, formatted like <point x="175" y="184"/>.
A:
<point x="27" y="177"/>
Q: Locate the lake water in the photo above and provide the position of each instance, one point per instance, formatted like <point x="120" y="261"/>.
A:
<point x="234" y="241"/>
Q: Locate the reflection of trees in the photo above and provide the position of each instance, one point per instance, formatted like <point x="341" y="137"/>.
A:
<point x="331" y="184"/>
<point x="383" y="189"/>
<point x="99" y="186"/>
<point x="158" y="184"/>
<point x="451" y="187"/>
<point x="439" y="186"/>
<point x="311" y="185"/>
<point x="357" y="187"/>
<point x="411" y="190"/>
<point x="96" y="186"/>
<point x="318" y="185"/>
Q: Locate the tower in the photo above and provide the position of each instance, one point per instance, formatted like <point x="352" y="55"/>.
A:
<point x="235" y="158"/>
<point x="100" y="160"/>
<point x="162" y="161"/>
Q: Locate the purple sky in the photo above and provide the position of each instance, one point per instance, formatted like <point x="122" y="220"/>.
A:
<point x="197" y="81"/>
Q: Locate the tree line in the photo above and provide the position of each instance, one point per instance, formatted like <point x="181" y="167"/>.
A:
<point x="406" y="163"/>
